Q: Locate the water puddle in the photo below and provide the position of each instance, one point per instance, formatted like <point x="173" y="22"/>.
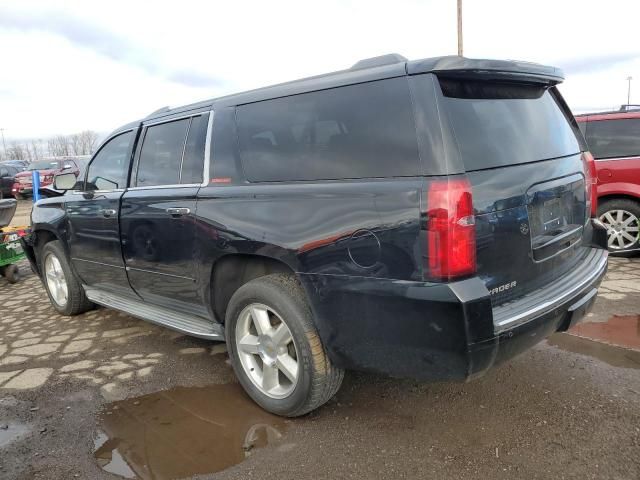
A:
<point x="621" y="330"/>
<point x="182" y="432"/>
<point x="616" y="341"/>
<point x="10" y="432"/>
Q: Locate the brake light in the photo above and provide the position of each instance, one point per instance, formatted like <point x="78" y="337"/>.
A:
<point x="451" y="232"/>
<point x="591" y="183"/>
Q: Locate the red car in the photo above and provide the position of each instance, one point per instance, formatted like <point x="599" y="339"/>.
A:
<point x="23" y="185"/>
<point x="614" y="141"/>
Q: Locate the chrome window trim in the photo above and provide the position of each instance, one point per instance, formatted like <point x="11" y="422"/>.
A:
<point x="207" y="150"/>
<point x="156" y="187"/>
<point x="81" y="192"/>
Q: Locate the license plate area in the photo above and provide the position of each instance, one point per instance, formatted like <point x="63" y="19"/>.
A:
<point x="557" y="214"/>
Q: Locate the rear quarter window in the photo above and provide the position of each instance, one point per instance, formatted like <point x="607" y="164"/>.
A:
<point x="614" y="138"/>
<point x="499" y="124"/>
<point x="356" y="131"/>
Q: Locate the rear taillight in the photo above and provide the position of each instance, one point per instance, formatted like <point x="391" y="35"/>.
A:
<point x="591" y="183"/>
<point x="451" y="232"/>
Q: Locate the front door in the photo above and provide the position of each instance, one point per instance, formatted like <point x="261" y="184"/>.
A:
<point x="94" y="233"/>
<point x="158" y="214"/>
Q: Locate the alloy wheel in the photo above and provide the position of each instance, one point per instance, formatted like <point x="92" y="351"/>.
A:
<point x="623" y="228"/>
<point x="266" y="350"/>
<point x="56" y="281"/>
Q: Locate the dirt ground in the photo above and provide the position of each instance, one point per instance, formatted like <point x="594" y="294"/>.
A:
<point x="104" y="392"/>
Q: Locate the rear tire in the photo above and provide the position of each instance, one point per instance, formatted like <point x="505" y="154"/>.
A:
<point x="615" y="214"/>
<point x="63" y="287"/>
<point x="281" y="298"/>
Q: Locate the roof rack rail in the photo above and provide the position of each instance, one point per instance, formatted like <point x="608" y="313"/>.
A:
<point x="388" y="59"/>
<point x="160" y="110"/>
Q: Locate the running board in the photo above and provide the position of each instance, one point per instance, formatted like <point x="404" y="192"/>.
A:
<point x="181" y="322"/>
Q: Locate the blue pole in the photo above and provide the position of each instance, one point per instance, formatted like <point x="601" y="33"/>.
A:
<point x="35" y="177"/>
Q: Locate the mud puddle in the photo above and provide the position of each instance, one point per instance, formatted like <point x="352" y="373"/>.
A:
<point x="10" y="432"/>
<point x="616" y="341"/>
<point x="182" y="432"/>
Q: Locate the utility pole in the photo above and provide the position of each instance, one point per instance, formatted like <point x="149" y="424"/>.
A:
<point x="460" y="28"/>
<point x="4" y="145"/>
<point x="629" y="78"/>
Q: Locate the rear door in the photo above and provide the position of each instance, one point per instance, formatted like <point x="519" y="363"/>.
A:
<point x="94" y="231"/>
<point x="521" y="151"/>
<point x="158" y="212"/>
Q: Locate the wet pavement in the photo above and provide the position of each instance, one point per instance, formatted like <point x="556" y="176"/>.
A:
<point x="104" y="395"/>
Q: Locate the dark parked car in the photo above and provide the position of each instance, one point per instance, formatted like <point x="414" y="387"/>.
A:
<point x="425" y="218"/>
<point x="21" y="165"/>
<point x="7" y="176"/>
<point x="614" y="140"/>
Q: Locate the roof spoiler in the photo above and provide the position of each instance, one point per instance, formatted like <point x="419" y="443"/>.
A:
<point x="491" y="69"/>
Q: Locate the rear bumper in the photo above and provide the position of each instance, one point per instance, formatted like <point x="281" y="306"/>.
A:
<point x="441" y="331"/>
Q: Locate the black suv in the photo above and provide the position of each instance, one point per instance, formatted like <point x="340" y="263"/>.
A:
<point x="425" y="218"/>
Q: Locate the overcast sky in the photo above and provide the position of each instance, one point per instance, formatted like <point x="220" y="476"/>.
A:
<point x="74" y="65"/>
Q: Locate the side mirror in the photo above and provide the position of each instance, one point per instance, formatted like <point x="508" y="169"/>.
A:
<point x="64" y="181"/>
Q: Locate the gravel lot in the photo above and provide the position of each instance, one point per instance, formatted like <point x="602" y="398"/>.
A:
<point x="104" y="392"/>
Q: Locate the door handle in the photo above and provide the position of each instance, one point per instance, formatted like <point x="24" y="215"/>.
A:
<point x="108" y="212"/>
<point x="178" y="212"/>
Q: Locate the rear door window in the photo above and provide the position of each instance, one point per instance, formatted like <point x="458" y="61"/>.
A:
<point x="614" y="138"/>
<point x="161" y="154"/>
<point x="496" y="124"/>
<point x="356" y="131"/>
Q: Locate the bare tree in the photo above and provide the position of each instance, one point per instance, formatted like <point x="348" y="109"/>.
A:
<point x="16" y="152"/>
<point x="59" y="146"/>
<point x="34" y="150"/>
<point x="84" y="142"/>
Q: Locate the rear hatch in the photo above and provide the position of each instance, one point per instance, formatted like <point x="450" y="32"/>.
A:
<point x="522" y="154"/>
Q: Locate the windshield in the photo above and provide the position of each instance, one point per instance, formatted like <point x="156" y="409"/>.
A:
<point x="44" y="165"/>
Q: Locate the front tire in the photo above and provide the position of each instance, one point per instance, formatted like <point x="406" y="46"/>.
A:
<point x="63" y="288"/>
<point x="621" y="216"/>
<point x="275" y="349"/>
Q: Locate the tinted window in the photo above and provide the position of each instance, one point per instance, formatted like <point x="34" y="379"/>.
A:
<point x="504" y="124"/>
<point x="109" y="168"/>
<point x="4" y="172"/>
<point x="614" y="138"/>
<point x="193" y="162"/>
<point x="161" y="154"/>
<point x="356" y="131"/>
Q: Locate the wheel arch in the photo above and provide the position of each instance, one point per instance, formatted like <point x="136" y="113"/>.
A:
<point x="38" y="239"/>
<point x="233" y="270"/>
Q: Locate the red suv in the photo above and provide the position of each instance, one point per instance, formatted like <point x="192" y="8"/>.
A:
<point x="48" y="169"/>
<point x="614" y="141"/>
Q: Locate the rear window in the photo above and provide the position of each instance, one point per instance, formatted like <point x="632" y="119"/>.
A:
<point x="357" y="131"/>
<point x="614" y="138"/>
<point x="496" y="124"/>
